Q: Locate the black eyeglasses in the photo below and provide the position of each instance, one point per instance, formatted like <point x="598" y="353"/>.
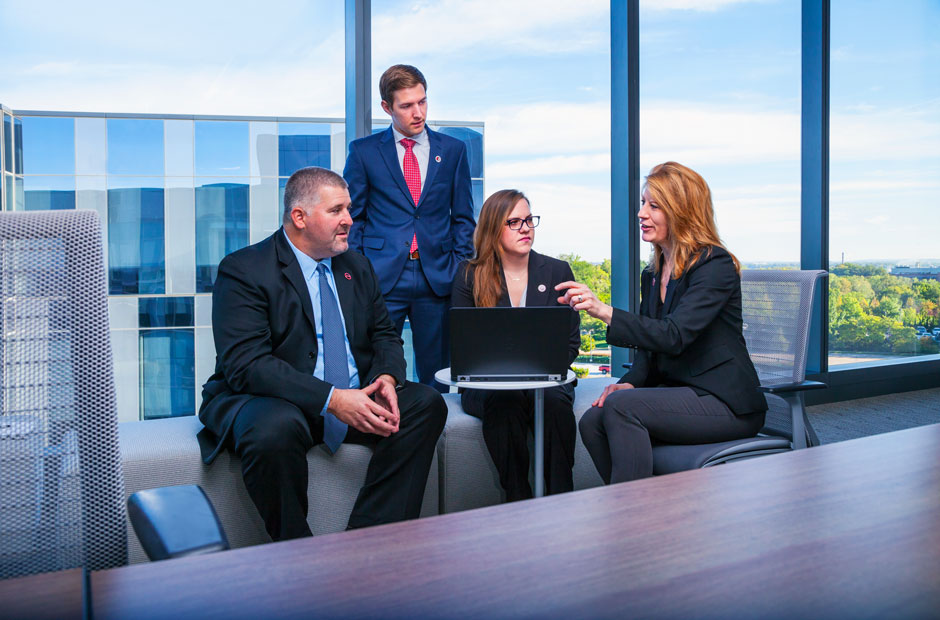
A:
<point x="516" y="223"/>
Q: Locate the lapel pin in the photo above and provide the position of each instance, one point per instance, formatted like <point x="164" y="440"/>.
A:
<point x="541" y="288"/>
<point x="348" y="277"/>
<point x="438" y="159"/>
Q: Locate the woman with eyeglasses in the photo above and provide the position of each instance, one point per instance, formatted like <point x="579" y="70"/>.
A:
<point x="692" y="380"/>
<point x="505" y="271"/>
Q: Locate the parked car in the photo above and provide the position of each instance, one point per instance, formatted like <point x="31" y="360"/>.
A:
<point x="920" y="329"/>
<point x="935" y="331"/>
<point x="604" y="368"/>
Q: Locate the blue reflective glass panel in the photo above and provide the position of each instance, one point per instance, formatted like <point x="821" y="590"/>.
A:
<point x="474" y="141"/>
<point x="221" y="226"/>
<point x="18" y="145"/>
<point x="476" y="189"/>
<point x="223" y="148"/>
<point x="301" y="145"/>
<point x="165" y="312"/>
<point x="49" y="193"/>
<point x="167" y="373"/>
<point x="281" y="184"/>
<point x="8" y="143"/>
<point x="135" y="146"/>
<point x="135" y="238"/>
<point x="48" y="145"/>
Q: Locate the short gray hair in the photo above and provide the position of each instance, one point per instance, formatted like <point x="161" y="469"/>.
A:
<point x="304" y="186"/>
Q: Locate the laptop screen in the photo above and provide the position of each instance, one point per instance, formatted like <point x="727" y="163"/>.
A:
<point x="509" y="344"/>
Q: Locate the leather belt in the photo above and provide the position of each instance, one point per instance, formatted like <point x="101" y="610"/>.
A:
<point x="413" y="255"/>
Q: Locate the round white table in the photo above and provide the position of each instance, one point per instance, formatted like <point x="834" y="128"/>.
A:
<point x="443" y="376"/>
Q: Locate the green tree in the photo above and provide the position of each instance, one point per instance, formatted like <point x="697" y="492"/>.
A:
<point x="587" y="343"/>
<point x="597" y="278"/>
<point x="855" y="269"/>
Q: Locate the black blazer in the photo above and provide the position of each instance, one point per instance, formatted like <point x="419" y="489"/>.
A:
<point x="266" y="342"/>
<point x="699" y="341"/>
<point x="544" y="273"/>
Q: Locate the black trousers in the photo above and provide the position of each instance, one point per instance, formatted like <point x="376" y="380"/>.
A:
<point x="508" y="416"/>
<point x="618" y="435"/>
<point x="272" y="436"/>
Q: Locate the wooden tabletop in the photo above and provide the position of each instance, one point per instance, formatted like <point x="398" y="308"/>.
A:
<point x="844" y="530"/>
<point x="56" y="596"/>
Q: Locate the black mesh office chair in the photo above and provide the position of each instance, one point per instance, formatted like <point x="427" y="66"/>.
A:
<point x="777" y="305"/>
<point x="61" y="486"/>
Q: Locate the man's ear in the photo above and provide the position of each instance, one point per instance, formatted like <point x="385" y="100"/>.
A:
<point x="386" y="107"/>
<point x="297" y="218"/>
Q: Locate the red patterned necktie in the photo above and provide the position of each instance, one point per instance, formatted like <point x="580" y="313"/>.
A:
<point x="412" y="179"/>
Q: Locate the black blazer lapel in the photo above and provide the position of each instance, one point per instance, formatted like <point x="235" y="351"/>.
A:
<point x="346" y="289"/>
<point x="290" y="268"/>
<point x="539" y="288"/>
<point x="389" y="152"/>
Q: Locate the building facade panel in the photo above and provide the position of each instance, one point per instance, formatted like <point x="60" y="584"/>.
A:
<point x="174" y="196"/>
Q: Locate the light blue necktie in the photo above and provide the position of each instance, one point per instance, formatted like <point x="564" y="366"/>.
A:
<point x="335" y="366"/>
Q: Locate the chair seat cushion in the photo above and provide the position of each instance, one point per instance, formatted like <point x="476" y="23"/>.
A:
<point x="671" y="458"/>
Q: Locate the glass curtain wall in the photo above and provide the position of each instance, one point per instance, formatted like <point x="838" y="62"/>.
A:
<point x="537" y="76"/>
<point x="720" y="93"/>
<point x="884" y="192"/>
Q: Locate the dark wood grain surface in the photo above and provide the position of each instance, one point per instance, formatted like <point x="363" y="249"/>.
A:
<point x="843" y="530"/>
<point x="53" y="596"/>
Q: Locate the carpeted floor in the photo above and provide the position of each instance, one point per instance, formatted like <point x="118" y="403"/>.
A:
<point x="871" y="416"/>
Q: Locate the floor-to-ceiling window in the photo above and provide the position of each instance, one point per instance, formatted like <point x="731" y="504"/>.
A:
<point x="884" y="193"/>
<point x="720" y="93"/>
<point x="537" y="75"/>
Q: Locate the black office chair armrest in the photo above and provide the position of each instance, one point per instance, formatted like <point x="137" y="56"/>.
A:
<point x="627" y="365"/>
<point x="173" y="522"/>
<point x="783" y="388"/>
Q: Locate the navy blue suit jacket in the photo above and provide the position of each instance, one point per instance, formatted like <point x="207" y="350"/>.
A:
<point x="385" y="217"/>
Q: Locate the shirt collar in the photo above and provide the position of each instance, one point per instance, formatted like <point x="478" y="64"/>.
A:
<point x="307" y="264"/>
<point x="421" y="138"/>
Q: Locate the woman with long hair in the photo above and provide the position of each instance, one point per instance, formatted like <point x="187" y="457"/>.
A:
<point x="692" y="380"/>
<point x="505" y="271"/>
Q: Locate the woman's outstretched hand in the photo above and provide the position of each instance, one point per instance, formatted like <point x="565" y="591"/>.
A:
<point x="580" y="297"/>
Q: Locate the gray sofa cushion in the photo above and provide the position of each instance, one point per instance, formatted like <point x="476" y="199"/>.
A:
<point x="159" y="453"/>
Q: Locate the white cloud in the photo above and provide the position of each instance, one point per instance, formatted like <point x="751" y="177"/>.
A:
<point x="692" y="5"/>
<point x="548" y="128"/>
<point x="307" y="85"/>
<point x="448" y="26"/>
<point x="549" y="166"/>
<point x="575" y="219"/>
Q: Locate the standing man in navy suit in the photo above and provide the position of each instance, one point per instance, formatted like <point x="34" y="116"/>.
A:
<point x="413" y="214"/>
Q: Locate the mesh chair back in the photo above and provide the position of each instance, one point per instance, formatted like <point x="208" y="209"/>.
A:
<point x="61" y="488"/>
<point x="778" y="304"/>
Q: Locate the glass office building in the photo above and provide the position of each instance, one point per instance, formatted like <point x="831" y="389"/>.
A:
<point x="174" y="195"/>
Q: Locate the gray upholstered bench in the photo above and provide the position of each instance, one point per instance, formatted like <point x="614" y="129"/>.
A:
<point x="159" y="453"/>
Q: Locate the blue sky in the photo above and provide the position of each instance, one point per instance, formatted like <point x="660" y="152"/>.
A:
<point x="720" y="88"/>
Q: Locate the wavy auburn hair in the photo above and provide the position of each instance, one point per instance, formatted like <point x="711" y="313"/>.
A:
<point x="685" y="199"/>
<point x="487" y="261"/>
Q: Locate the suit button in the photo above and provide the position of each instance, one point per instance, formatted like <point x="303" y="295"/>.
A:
<point x="417" y="217"/>
<point x="311" y="355"/>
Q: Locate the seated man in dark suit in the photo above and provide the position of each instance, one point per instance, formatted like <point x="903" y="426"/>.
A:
<point x="307" y="354"/>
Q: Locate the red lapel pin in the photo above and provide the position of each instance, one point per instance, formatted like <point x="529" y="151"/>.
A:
<point x="438" y="159"/>
<point x="348" y="277"/>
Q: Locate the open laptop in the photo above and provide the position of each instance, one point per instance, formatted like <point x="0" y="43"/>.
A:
<point x="509" y="344"/>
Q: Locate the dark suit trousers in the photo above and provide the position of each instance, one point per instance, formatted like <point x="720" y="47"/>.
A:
<point x="508" y="416"/>
<point x="272" y="436"/>
<point x="412" y="296"/>
<point x="619" y="435"/>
